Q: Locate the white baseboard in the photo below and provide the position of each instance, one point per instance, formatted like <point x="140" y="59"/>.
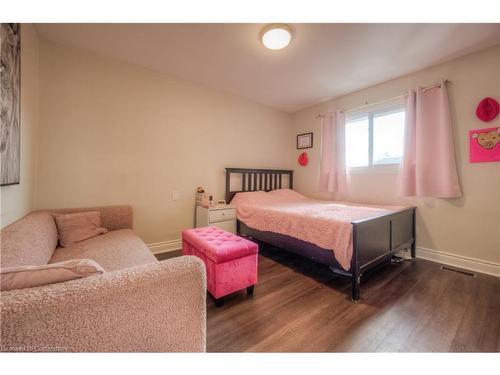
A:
<point x="467" y="263"/>
<point x="165" y="246"/>
<point x="477" y="265"/>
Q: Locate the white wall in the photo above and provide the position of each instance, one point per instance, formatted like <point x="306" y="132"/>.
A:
<point x="17" y="200"/>
<point x="115" y="133"/>
<point x="467" y="227"/>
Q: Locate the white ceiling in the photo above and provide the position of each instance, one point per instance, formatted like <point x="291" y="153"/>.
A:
<point x="322" y="62"/>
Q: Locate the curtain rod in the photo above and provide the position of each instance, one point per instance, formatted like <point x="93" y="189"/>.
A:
<point x="387" y="100"/>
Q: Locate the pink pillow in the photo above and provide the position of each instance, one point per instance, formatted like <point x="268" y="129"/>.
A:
<point x="78" y="227"/>
<point x="30" y="276"/>
<point x="249" y="197"/>
<point x="287" y="194"/>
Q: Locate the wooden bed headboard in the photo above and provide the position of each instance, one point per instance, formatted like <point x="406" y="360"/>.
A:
<point x="258" y="180"/>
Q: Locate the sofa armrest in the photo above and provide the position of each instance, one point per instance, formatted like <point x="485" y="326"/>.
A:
<point x="157" y="307"/>
<point x="112" y="217"/>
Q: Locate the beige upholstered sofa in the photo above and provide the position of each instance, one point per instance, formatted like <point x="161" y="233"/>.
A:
<point x="138" y="305"/>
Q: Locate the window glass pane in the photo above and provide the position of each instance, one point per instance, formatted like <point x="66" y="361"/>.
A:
<point x="388" y="137"/>
<point x="356" y="142"/>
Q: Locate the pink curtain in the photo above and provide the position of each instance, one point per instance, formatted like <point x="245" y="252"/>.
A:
<point x="332" y="166"/>
<point x="429" y="167"/>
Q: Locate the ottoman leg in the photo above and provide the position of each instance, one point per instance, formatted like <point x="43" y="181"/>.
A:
<point x="250" y="290"/>
<point x="219" y="302"/>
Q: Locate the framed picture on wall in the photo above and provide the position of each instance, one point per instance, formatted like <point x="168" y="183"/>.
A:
<point x="304" y="140"/>
<point x="10" y="103"/>
<point x="484" y="145"/>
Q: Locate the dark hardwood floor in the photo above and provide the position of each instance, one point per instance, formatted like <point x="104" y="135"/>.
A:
<point x="299" y="306"/>
<point x="168" y="255"/>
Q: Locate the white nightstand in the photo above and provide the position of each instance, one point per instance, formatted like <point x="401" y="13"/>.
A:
<point x="223" y="217"/>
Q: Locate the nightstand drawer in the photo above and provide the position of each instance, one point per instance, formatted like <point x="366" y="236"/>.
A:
<point x="221" y="215"/>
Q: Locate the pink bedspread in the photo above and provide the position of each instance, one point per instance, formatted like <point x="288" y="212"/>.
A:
<point x="323" y="223"/>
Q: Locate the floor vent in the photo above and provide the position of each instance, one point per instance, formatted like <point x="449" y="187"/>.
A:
<point x="461" y="272"/>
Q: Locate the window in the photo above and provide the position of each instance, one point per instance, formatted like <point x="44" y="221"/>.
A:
<point x="357" y="142"/>
<point x="375" y="137"/>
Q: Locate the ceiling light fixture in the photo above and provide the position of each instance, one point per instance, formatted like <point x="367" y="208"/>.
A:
<point x="276" y="36"/>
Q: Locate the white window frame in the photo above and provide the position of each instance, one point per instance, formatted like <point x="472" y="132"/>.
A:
<point x="386" y="108"/>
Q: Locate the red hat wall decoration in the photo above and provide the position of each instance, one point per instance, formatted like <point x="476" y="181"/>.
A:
<point x="303" y="159"/>
<point x="487" y="109"/>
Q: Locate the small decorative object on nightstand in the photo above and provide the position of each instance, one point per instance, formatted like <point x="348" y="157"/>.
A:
<point x="223" y="217"/>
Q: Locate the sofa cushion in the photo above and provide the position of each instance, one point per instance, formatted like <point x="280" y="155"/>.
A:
<point x="31" y="276"/>
<point x="114" y="250"/>
<point x="112" y="217"/>
<point x="79" y="226"/>
<point x="30" y="241"/>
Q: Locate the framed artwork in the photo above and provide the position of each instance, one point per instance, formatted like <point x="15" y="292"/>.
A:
<point x="304" y="140"/>
<point x="484" y="145"/>
<point x="10" y="103"/>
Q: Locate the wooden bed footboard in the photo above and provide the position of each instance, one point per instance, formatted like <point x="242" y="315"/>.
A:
<point x="376" y="240"/>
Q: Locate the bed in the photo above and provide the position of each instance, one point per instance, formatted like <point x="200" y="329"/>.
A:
<point x="374" y="235"/>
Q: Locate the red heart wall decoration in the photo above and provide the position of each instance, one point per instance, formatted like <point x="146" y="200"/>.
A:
<point x="303" y="159"/>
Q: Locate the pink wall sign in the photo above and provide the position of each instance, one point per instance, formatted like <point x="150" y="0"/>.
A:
<point x="484" y="145"/>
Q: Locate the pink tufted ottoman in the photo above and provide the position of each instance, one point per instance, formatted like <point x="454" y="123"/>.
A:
<point x="231" y="261"/>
